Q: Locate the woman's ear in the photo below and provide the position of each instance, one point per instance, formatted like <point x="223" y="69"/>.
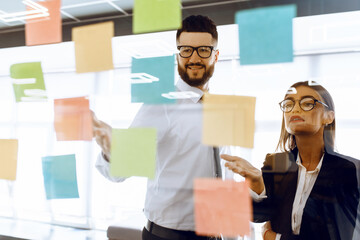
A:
<point x="329" y="117"/>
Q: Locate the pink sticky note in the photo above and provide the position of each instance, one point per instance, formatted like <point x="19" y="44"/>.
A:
<point x="45" y="30"/>
<point x="222" y="207"/>
<point x="72" y="119"/>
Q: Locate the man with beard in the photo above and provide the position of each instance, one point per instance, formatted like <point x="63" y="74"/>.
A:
<point x="181" y="157"/>
<point x="196" y="69"/>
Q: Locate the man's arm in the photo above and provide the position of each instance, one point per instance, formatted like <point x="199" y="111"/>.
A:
<point x="148" y="116"/>
<point x="102" y="134"/>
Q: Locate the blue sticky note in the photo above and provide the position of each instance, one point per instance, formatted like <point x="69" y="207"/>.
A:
<point x="152" y="77"/>
<point x="265" y="34"/>
<point x="60" y="176"/>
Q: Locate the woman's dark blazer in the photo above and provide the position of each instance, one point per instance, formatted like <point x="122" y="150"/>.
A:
<point x="331" y="209"/>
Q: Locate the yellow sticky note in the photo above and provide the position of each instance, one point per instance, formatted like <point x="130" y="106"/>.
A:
<point x="222" y="207"/>
<point x="8" y="159"/>
<point x="93" y="49"/>
<point x="228" y="120"/>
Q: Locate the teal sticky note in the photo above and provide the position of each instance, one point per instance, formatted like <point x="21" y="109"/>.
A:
<point x="265" y="34"/>
<point x="152" y="77"/>
<point x="60" y="176"/>
<point x="133" y="152"/>
<point x="28" y="82"/>
<point x="156" y="15"/>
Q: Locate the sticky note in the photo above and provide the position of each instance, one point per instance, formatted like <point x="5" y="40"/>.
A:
<point x="8" y="159"/>
<point x="72" y="119"/>
<point x="45" y="30"/>
<point x="133" y="152"/>
<point x="222" y="207"/>
<point x="228" y="120"/>
<point x="151" y="78"/>
<point x="93" y="49"/>
<point x="265" y="34"/>
<point x="28" y="82"/>
<point x="60" y="176"/>
<point x="156" y="15"/>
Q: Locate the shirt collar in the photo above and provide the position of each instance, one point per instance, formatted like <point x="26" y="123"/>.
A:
<point x="184" y="87"/>
<point x="318" y="167"/>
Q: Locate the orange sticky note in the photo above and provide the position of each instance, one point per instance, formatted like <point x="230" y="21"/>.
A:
<point x="228" y="120"/>
<point x="45" y="30"/>
<point x="93" y="49"/>
<point x="8" y="159"/>
<point x="222" y="207"/>
<point x="72" y="119"/>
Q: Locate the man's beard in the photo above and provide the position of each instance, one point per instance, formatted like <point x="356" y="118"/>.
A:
<point x="196" y="82"/>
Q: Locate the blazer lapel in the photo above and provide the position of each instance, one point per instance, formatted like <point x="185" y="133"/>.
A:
<point x="286" y="190"/>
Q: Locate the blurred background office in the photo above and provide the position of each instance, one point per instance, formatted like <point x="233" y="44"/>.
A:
<point x="326" y="40"/>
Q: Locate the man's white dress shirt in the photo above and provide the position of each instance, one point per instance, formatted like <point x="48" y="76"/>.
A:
<point x="181" y="157"/>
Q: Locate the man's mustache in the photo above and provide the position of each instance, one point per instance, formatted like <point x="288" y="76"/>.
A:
<point x="195" y="64"/>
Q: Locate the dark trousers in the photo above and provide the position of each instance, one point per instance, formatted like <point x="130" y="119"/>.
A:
<point x="186" y="235"/>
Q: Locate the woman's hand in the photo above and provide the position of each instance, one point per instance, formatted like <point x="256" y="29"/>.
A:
<point x="102" y="134"/>
<point x="245" y="169"/>
<point x="267" y="232"/>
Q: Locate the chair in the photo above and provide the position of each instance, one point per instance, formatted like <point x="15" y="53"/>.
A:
<point x="123" y="233"/>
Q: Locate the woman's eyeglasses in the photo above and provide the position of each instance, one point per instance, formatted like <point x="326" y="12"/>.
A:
<point x="306" y="104"/>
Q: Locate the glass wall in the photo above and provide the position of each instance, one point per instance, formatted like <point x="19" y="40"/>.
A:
<point x="327" y="49"/>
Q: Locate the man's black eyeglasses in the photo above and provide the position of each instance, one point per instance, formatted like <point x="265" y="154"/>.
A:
<point x="306" y="103"/>
<point x="202" y="51"/>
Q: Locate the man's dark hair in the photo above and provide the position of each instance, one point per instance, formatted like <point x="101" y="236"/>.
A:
<point x="198" y="24"/>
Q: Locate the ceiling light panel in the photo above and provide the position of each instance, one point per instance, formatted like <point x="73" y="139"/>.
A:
<point x="94" y="8"/>
<point x="33" y="11"/>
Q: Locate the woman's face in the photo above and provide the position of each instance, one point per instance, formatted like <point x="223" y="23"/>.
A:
<point x="300" y="122"/>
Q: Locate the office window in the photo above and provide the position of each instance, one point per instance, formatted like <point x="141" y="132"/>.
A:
<point x="330" y="60"/>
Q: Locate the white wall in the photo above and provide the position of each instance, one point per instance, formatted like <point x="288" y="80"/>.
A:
<point x="326" y="47"/>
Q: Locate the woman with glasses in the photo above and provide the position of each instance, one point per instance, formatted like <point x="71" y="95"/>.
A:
<point x="307" y="190"/>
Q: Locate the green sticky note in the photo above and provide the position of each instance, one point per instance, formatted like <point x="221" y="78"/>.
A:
<point x="151" y="78"/>
<point x="133" y="152"/>
<point x="28" y="82"/>
<point x="60" y="176"/>
<point x="156" y="15"/>
<point x="265" y="34"/>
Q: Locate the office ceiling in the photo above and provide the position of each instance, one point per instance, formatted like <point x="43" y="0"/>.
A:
<point x="78" y="11"/>
<point x="82" y="12"/>
<point x="71" y="10"/>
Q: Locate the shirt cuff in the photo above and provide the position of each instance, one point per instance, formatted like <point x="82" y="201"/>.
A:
<point x="105" y="157"/>
<point x="258" y="197"/>
<point x="104" y="168"/>
<point x="101" y="161"/>
<point x="278" y="236"/>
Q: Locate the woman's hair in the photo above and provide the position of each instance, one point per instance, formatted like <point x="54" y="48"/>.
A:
<point x="287" y="141"/>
